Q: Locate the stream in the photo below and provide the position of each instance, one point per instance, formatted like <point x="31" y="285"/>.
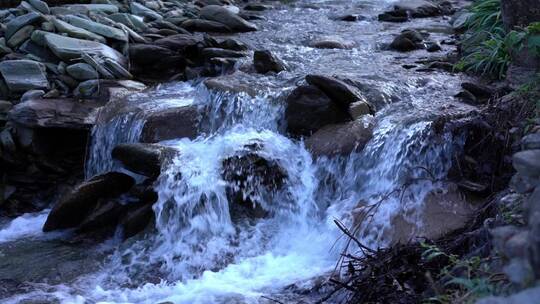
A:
<point x="197" y="253"/>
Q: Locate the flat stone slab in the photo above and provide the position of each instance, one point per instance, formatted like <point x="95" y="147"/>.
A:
<point x="69" y="49"/>
<point x="55" y="113"/>
<point x="97" y="28"/>
<point x="17" y="23"/>
<point x="23" y="75"/>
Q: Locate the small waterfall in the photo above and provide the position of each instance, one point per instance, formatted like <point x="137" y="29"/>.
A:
<point x="125" y="128"/>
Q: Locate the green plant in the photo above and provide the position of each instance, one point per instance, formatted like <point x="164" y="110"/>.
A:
<point x="463" y="280"/>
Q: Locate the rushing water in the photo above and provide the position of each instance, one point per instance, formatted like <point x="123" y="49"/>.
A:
<point x="198" y="253"/>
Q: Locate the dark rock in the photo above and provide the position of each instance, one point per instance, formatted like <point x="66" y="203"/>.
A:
<point x="217" y="52"/>
<point x="265" y="61"/>
<point x="478" y="90"/>
<point x="105" y="215"/>
<point x="349" y="18"/>
<point x="394" y="16"/>
<point x="419" y="8"/>
<point x="467" y="97"/>
<point x="519" y="13"/>
<point x="136" y="220"/>
<point x="54" y="113"/>
<point x="148" y="54"/>
<point x="171" y="123"/>
<point x="256" y="7"/>
<point x="403" y="44"/>
<point x="23" y="75"/>
<point x="250" y="177"/>
<point x="339" y="91"/>
<point x="433" y="47"/>
<point x="19" y="22"/>
<point x="145" y="159"/>
<point x="207" y="26"/>
<point x="72" y="209"/>
<point x="232" y="44"/>
<point x="340" y="139"/>
<point x="309" y="109"/>
<point x="233" y="21"/>
<point x="332" y="43"/>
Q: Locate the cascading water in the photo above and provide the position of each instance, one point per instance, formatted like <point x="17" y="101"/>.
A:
<point x="199" y="252"/>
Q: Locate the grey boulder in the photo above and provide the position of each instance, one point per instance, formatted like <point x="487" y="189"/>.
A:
<point x="23" y="75"/>
<point x="223" y="15"/>
<point x="82" y="71"/>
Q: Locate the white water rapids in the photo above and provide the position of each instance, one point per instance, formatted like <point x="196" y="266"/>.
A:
<point x="197" y="253"/>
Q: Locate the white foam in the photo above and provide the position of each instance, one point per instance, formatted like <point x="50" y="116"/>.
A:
<point x="24" y="226"/>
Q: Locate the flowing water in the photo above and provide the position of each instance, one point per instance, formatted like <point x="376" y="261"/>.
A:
<point x="197" y="252"/>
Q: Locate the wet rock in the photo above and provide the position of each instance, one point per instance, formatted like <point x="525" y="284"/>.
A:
<point x="23" y="75"/>
<point x="341" y="139"/>
<point x="225" y="16"/>
<point x="396" y="15"/>
<point x="256" y="7"/>
<point x="186" y="44"/>
<point x="71" y="209"/>
<point x="444" y="211"/>
<point x="403" y="44"/>
<point x="232" y="44"/>
<point x="265" y="61"/>
<point x="358" y="109"/>
<point x="136" y="220"/>
<point x="309" y="109"/>
<point x="349" y="17"/>
<point x="82" y="71"/>
<point x="467" y="97"/>
<point x="419" y="8"/>
<point x="207" y="26"/>
<point x="144" y="159"/>
<point x="527" y="163"/>
<point x="208" y="53"/>
<point x="433" y="47"/>
<point x="478" y="90"/>
<point x="170" y="124"/>
<point x="54" y="113"/>
<point x="104" y="216"/>
<point x="339" y="91"/>
<point x="251" y="177"/>
<point x="332" y="43"/>
<point x="133" y="22"/>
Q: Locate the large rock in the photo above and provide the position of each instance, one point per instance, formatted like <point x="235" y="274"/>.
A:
<point x="339" y="91"/>
<point x="23" y="75"/>
<point x="309" y="109"/>
<point x="145" y="159"/>
<point x="171" y="123"/>
<point x="136" y="220"/>
<point x="341" y="139"/>
<point x="76" y="32"/>
<point x="94" y="8"/>
<point x="207" y="26"/>
<point x="265" y="61"/>
<point x="223" y="15"/>
<point x="17" y="23"/>
<point x="419" y="8"/>
<point x="72" y="209"/>
<point x="20" y="36"/>
<point x="527" y="163"/>
<point x="97" y="28"/>
<point x="443" y="212"/>
<point x="69" y="49"/>
<point x="54" y="113"/>
<point x="251" y="177"/>
<point x="332" y="42"/>
<point x="82" y="71"/>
